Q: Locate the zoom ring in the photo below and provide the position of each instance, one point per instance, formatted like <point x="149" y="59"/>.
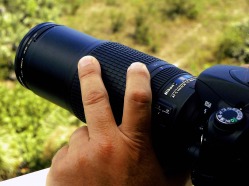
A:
<point x="115" y="58"/>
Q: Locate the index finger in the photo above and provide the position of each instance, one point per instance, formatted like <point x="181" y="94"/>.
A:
<point x="98" y="113"/>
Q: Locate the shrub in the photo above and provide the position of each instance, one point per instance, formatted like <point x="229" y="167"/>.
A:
<point x="234" y="44"/>
<point x="27" y="124"/>
<point x="117" y="22"/>
<point x="17" y="17"/>
<point x="177" y="8"/>
<point x="142" y="34"/>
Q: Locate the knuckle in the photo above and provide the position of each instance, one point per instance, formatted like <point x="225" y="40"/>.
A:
<point x="140" y="96"/>
<point x="136" y="149"/>
<point x="57" y="170"/>
<point x="78" y="159"/>
<point x="57" y="167"/>
<point x="106" y="149"/>
<point x="88" y="71"/>
<point x="95" y="96"/>
<point x="81" y="161"/>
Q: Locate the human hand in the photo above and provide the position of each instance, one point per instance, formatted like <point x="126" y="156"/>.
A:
<point x="103" y="153"/>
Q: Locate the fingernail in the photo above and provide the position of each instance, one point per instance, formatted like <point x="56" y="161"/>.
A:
<point x="137" y="65"/>
<point x="84" y="61"/>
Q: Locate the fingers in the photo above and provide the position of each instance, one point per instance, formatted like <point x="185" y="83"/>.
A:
<point x="95" y="99"/>
<point x="137" y="102"/>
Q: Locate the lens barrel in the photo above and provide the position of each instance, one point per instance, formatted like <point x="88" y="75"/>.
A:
<point x="46" y="61"/>
<point x="47" y="58"/>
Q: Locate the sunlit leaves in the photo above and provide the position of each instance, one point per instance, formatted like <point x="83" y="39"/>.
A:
<point x="27" y="123"/>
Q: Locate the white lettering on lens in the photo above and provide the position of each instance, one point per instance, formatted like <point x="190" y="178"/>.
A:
<point x="181" y="86"/>
<point x="169" y="89"/>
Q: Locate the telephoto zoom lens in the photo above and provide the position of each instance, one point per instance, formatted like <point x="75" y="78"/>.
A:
<point x="46" y="63"/>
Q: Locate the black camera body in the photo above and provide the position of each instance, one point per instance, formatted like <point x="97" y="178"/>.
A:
<point x="198" y="123"/>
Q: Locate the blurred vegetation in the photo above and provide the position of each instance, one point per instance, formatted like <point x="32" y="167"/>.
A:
<point x="193" y="35"/>
<point x="18" y="16"/>
<point x="32" y="129"/>
<point x="235" y="44"/>
<point x="180" y="8"/>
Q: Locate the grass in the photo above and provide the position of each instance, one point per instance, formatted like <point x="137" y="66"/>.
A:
<point x="188" y="43"/>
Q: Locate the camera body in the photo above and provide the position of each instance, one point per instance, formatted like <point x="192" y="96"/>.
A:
<point x="222" y="156"/>
<point x="198" y="123"/>
<point x="213" y="139"/>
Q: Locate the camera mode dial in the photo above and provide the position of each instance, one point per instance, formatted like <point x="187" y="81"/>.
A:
<point x="228" y="118"/>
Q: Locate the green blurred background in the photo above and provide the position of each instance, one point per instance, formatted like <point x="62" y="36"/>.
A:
<point x="193" y="35"/>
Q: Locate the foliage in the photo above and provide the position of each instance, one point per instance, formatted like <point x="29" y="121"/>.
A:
<point x="27" y="125"/>
<point x="117" y="20"/>
<point x="144" y="34"/>
<point x="235" y="44"/>
<point x="17" y="17"/>
<point x="141" y="34"/>
<point x="177" y="8"/>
